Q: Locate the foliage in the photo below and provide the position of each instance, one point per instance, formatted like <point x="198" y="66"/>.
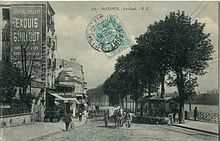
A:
<point x="174" y="47"/>
<point x="126" y="70"/>
<point x="112" y="88"/>
<point x="188" y="49"/>
<point x="9" y="79"/>
<point x="96" y="95"/>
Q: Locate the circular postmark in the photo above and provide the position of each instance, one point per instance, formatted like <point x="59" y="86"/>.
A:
<point x="105" y="34"/>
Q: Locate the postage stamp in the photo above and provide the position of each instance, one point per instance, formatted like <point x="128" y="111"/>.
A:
<point x="107" y="35"/>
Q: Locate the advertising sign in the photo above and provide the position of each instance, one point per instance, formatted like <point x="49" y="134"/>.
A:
<point x="26" y="31"/>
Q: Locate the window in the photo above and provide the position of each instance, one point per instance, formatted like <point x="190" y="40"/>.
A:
<point x="6" y="14"/>
<point x="66" y="78"/>
<point x="5" y="35"/>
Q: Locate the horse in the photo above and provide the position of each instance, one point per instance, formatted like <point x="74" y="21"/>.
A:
<point x="118" y="118"/>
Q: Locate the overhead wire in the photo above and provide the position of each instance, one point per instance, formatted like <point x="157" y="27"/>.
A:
<point x="196" y="9"/>
<point x="201" y="10"/>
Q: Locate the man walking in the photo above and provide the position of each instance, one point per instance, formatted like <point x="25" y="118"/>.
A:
<point x="195" y="113"/>
<point x="67" y="121"/>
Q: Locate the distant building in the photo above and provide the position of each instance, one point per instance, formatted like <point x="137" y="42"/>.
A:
<point x="70" y="73"/>
<point x="29" y="26"/>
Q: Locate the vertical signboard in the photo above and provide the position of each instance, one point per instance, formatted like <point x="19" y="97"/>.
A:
<point x="26" y="34"/>
<point x="26" y="30"/>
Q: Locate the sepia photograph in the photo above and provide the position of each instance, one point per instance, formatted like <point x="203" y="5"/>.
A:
<point x="109" y="70"/>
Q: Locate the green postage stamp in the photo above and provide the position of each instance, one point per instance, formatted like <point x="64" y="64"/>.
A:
<point x="107" y="34"/>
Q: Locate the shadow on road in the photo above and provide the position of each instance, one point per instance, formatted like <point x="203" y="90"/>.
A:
<point x="111" y="127"/>
<point x="99" y="119"/>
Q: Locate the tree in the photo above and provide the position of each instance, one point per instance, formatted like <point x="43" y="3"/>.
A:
<point x="128" y="68"/>
<point x="190" y="50"/>
<point x="110" y="89"/>
<point x="123" y="70"/>
<point x="9" y="79"/>
<point x="176" y="46"/>
<point x="146" y="68"/>
<point x="96" y="95"/>
<point x="116" y="88"/>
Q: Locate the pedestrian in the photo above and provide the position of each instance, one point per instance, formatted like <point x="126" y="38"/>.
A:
<point x="174" y="115"/>
<point x="128" y="118"/>
<point x="195" y="113"/>
<point x="67" y="121"/>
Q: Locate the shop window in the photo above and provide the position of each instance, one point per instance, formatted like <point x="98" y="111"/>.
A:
<point x="5" y="14"/>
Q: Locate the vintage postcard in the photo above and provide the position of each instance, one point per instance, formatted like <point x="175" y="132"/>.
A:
<point x="109" y="70"/>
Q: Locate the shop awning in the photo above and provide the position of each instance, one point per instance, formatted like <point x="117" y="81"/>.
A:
<point x="65" y="98"/>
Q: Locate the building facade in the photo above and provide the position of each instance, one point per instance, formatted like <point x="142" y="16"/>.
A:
<point x="28" y="39"/>
<point x="71" y="73"/>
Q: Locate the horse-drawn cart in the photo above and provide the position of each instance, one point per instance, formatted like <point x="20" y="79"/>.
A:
<point x="114" y="114"/>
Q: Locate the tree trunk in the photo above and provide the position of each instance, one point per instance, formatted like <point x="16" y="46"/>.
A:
<point x="181" y="111"/>
<point x="136" y="106"/>
<point x="162" y="85"/>
<point x="141" y="112"/>
<point x="122" y="102"/>
<point x="130" y="103"/>
<point x="149" y="89"/>
<point x="126" y="102"/>
<point x="180" y="87"/>
<point x="190" y="107"/>
<point x="148" y="108"/>
<point x="133" y="105"/>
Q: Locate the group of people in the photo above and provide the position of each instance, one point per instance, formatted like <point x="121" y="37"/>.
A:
<point x="175" y="116"/>
<point x="123" y="116"/>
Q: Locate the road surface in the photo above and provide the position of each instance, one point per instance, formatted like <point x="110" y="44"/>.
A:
<point x="94" y="130"/>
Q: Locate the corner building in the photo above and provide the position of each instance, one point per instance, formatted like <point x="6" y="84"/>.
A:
<point x="30" y="26"/>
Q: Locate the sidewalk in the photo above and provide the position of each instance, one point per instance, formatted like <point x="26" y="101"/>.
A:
<point x="35" y="131"/>
<point x="211" y="128"/>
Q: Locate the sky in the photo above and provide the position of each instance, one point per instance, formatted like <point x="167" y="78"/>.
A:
<point x="72" y="19"/>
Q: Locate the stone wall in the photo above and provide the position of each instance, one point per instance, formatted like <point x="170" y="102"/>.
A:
<point x="15" y="120"/>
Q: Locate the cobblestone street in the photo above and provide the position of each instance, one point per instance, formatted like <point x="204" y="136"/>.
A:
<point x="94" y="130"/>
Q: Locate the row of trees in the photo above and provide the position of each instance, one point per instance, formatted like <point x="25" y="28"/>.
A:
<point x="173" y="51"/>
<point x="97" y="96"/>
<point x="205" y="99"/>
